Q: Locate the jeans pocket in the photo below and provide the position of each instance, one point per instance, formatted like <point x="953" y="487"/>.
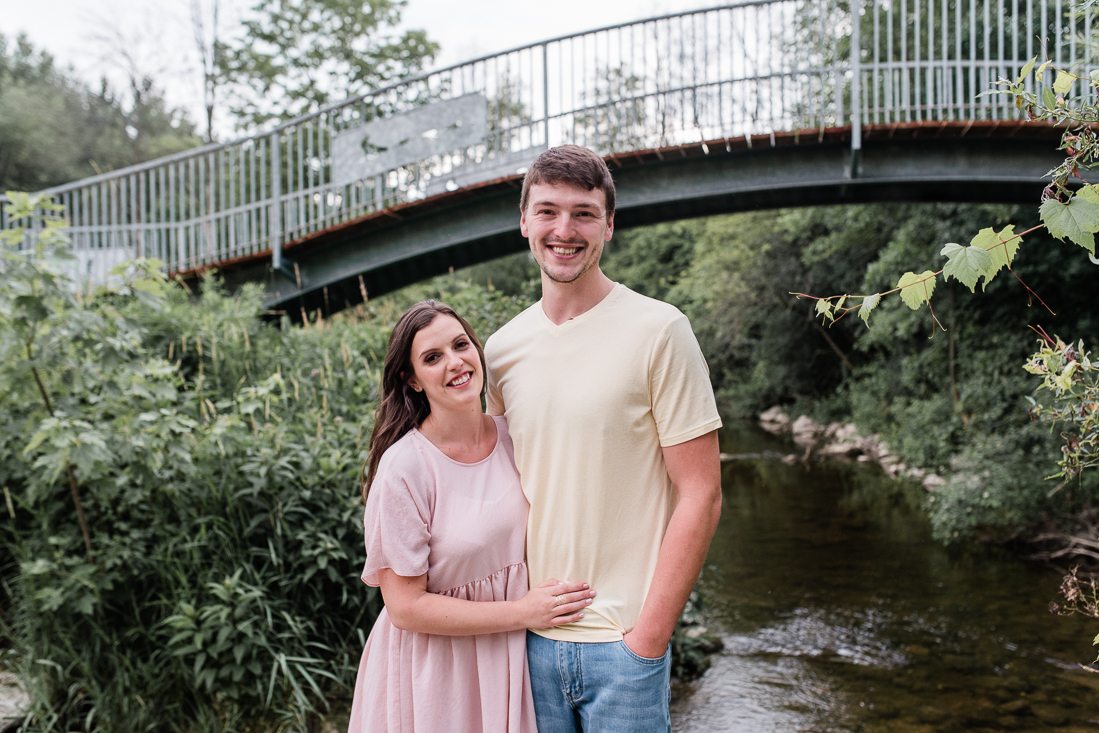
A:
<point x="652" y="661"/>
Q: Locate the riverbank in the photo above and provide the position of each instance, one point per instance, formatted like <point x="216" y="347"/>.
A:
<point x="836" y="442"/>
<point x="1065" y="541"/>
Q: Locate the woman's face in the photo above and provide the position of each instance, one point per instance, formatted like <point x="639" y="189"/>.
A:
<point x="446" y="366"/>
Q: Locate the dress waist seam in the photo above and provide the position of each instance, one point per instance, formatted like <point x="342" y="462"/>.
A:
<point x="478" y="580"/>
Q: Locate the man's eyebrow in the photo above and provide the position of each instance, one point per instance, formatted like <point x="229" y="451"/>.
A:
<point x="581" y="205"/>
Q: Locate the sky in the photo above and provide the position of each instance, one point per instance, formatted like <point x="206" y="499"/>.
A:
<point x="158" y="34"/>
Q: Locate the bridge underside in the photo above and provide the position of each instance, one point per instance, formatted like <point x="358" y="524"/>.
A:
<point x="929" y="162"/>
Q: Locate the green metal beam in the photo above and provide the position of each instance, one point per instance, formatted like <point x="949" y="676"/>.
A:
<point x="478" y="228"/>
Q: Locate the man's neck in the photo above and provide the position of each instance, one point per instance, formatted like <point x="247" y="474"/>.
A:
<point x="563" y="301"/>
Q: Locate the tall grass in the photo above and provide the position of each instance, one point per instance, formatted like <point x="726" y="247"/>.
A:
<point x="214" y="457"/>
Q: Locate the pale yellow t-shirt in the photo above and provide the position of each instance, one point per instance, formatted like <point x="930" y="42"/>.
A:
<point x="589" y="405"/>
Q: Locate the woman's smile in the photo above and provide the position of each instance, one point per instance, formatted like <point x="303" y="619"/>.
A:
<point x="461" y="380"/>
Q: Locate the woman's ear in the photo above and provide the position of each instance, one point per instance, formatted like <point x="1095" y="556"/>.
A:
<point x="414" y="384"/>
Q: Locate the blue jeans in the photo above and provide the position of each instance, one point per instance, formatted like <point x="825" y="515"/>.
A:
<point x="598" y="688"/>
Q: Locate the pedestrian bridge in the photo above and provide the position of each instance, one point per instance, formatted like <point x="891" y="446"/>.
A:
<point x="763" y="103"/>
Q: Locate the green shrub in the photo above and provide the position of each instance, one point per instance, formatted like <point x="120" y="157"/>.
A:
<point x="215" y="458"/>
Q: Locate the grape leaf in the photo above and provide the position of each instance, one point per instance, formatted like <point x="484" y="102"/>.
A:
<point x="824" y="308"/>
<point x="1089" y="193"/>
<point x="1063" y="83"/>
<point x="1078" y="220"/>
<point x="916" y="289"/>
<point x="967" y="265"/>
<point x="1001" y="247"/>
<point x="869" y="303"/>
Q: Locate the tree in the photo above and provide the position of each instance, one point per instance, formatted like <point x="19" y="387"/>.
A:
<point x="55" y="129"/>
<point x="298" y="55"/>
<point x="211" y="52"/>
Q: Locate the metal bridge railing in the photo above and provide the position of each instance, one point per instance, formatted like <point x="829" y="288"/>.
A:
<point x="749" y="68"/>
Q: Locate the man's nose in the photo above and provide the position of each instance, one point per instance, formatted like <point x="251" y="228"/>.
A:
<point x="564" y="226"/>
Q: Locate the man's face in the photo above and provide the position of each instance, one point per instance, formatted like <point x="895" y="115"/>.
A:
<point x="566" y="228"/>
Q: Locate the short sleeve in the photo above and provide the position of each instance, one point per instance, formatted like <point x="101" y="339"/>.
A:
<point x="679" y="384"/>
<point x="395" y="528"/>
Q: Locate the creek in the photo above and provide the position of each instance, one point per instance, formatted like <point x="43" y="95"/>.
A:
<point x="839" y="612"/>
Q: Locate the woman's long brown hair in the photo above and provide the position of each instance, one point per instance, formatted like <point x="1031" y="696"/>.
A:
<point x="400" y="408"/>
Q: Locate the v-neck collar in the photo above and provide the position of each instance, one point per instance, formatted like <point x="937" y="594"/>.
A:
<point x="556" y="329"/>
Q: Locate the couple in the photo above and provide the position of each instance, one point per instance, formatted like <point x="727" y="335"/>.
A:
<point x="600" y="398"/>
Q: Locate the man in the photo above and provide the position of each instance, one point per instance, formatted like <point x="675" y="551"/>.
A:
<point x="609" y="406"/>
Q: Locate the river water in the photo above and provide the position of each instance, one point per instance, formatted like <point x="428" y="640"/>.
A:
<point x="840" y="613"/>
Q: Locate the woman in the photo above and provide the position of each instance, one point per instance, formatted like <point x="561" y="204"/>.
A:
<point x="444" y="523"/>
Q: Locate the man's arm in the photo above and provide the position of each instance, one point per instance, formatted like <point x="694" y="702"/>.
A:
<point x="695" y="469"/>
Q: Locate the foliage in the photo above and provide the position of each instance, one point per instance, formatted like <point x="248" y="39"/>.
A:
<point x="1066" y="213"/>
<point x="691" y="643"/>
<point x="954" y="404"/>
<point x="216" y="459"/>
<point x="54" y="129"/>
<point x="1069" y="373"/>
<point x="304" y="54"/>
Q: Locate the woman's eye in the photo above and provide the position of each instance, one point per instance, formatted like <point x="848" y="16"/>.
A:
<point x="461" y="344"/>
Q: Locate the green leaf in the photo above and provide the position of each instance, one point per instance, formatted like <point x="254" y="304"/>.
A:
<point x="1063" y="83"/>
<point x="1089" y="193"/>
<point x="1000" y="247"/>
<point x="824" y="308"/>
<point x="916" y="289"/>
<point x="32" y="305"/>
<point x="966" y="264"/>
<point x="869" y="303"/>
<point x="1078" y="220"/>
<point x="1049" y="101"/>
<point x="1026" y="70"/>
<point x="1042" y="69"/>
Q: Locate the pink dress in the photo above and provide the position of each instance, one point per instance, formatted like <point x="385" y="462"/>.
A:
<point x="464" y="525"/>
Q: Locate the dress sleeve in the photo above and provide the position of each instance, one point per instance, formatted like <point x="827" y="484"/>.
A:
<point x="679" y="384"/>
<point x="395" y="527"/>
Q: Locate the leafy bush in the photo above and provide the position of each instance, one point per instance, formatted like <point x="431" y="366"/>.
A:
<point x="213" y="459"/>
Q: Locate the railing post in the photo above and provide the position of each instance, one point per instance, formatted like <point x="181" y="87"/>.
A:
<point x="545" y="91"/>
<point x="856" y="77"/>
<point x="275" y="213"/>
<point x="856" y="91"/>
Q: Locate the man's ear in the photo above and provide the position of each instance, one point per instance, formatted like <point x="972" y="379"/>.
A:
<point x="523" y="223"/>
<point x="610" y="228"/>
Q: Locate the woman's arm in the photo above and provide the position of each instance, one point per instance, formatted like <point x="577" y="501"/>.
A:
<point x="412" y="608"/>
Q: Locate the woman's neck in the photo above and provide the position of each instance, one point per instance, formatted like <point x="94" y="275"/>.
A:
<point x="466" y="436"/>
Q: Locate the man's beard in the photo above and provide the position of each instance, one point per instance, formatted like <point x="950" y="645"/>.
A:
<point x="565" y="281"/>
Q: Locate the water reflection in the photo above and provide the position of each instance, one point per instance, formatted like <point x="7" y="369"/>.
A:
<point x="840" y="613"/>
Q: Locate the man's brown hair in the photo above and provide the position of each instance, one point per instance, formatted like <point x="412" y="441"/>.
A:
<point x="571" y="165"/>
